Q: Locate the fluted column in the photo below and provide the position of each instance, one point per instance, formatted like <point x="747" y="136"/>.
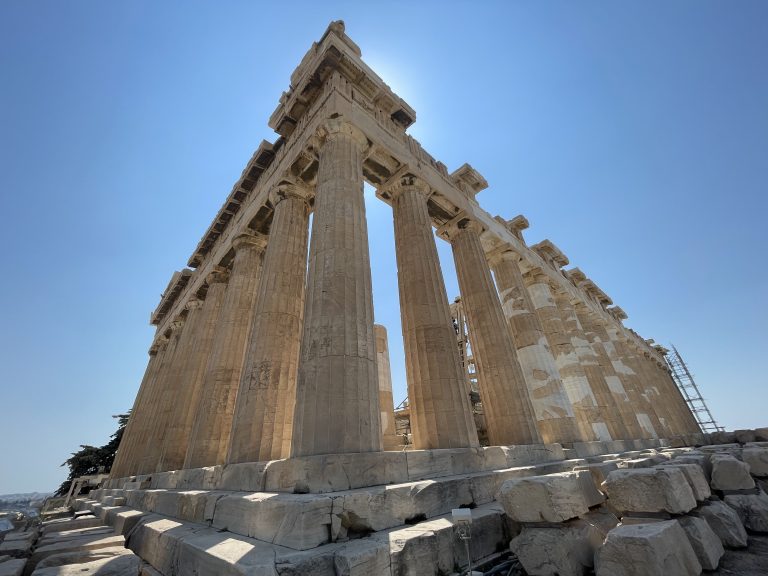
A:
<point x="651" y="389"/>
<point x="441" y="414"/>
<point x="555" y="416"/>
<point x="210" y="436"/>
<point x="386" y="403"/>
<point x="337" y="394"/>
<point x="263" y="421"/>
<point x="126" y="451"/>
<point x="606" y="410"/>
<point x="150" y="434"/>
<point x="615" y="347"/>
<point x="190" y="378"/>
<point x="509" y="414"/>
<point x="596" y="336"/>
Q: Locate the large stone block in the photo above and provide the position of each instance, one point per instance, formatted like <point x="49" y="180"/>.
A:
<point x="698" y="458"/>
<point x="728" y="473"/>
<point x="567" y="550"/>
<point x="704" y="541"/>
<point x="757" y="458"/>
<point x="695" y="476"/>
<point x="336" y="472"/>
<point x="84" y="543"/>
<point x="63" y="525"/>
<point x="424" y="464"/>
<point x="13" y="567"/>
<point x="725" y="522"/>
<point x="649" y="490"/>
<point x="364" y="557"/>
<point x="552" y="498"/>
<point x="752" y="509"/>
<point x="246" y="476"/>
<point x="116" y="565"/>
<point x="80" y="556"/>
<point x="647" y="550"/>
<point x="298" y="521"/>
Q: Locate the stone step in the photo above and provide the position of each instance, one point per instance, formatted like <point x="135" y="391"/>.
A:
<point x="175" y="547"/>
<point x="305" y="521"/>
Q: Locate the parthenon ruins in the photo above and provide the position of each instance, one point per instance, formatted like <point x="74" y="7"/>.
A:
<point x="268" y="375"/>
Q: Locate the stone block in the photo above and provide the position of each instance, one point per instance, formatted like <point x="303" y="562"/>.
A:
<point x="567" y="549"/>
<point x="15" y="548"/>
<point x="122" y="565"/>
<point x="124" y="520"/>
<point x="647" y="550"/>
<point x="704" y="541"/>
<point x="365" y="557"/>
<point x="63" y="525"/>
<point x="165" y="480"/>
<point x="85" y="543"/>
<point x="695" y="477"/>
<point x="744" y="436"/>
<point x="80" y="556"/>
<point x="208" y="478"/>
<point x="13" y="567"/>
<point x="223" y="554"/>
<point x="157" y="540"/>
<point x="246" y="476"/>
<point x="649" y="490"/>
<point x="757" y="459"/>
<point x="297" y="521"/>
<point x="752" y="510"/>
<point x="552" y="498"/>
<point x="424" y="464"/>
<point x="728" y="473"/>
<point x="335" y="472"/>
<point x="698" y="458"/>
<point x="599" y="470"/>
<point x="725" y="522"/>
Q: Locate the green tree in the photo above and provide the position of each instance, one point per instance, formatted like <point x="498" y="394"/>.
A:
<point x="89" y="459"/>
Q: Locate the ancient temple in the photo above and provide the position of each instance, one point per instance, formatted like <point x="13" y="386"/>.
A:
<point x="268" y="375"/>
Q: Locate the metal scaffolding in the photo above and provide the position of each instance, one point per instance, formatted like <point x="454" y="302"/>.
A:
<point x="690" y="391"/>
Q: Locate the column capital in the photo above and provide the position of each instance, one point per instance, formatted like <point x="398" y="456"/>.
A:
<point x="178" y="323"/>
<point x="408" y="182"/>
<point x="503" y="253"/>
<point x="339" y="127"/>
<point x="515" y="226"/>
<point x="461" y="223"/>
<point x="551" y="254"/>
<point x="159" y="343"/>
<point x="194" y="303"/>
<point x="291" y="189"/>
<point x="218" y="276"/>
<point x="250" y="239"/>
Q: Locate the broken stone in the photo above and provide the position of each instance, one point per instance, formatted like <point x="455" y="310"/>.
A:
<point x="647" y="550"/>
<point x="757" y="458"/>
<point x="725" y="523"/>
<point x="752" y="509"/>
<point x="599" y="470"/>
<point x="704" y="541"/>
<point x="552" y="498"/>
<point x="649" y="490"/>
<point x="730" y="474"/>
<point x="567" y="550"/>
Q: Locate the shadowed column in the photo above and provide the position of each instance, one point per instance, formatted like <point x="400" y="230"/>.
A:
<point x="150" y="435"/>
<point x="337" y="393"/>
<point x="508" y="410"/>
<point x="554" y="411"/>
<point x="441" y="415"/>
<point x="262" y="425"/>
<point x="189" y="384"/>
<point x="210" y="436"/>
<point x="386" y="404"/>
<point x="125" y="456"/>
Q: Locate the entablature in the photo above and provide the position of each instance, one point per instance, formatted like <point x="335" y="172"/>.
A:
<point x="178" y="282"/>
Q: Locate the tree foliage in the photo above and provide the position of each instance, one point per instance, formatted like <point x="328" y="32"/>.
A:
<point x="89" y="459"/>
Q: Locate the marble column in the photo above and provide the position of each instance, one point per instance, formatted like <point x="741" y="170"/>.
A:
<point x="126" y="452"/>
<point x="389" y="437"/>
<point x="556" y="418"/>
<point x="263" y="420"/>
<point x="599" y="342"/>
<point x="441" y="414"/>
<point x="687" y="421"/>
<point x="652" y="390"/>
<point x="607" y="415"/>
<point x="190" y="377"/>
<point x="615" y="347"/>
<point x="210" y="436"/>
<point x="509" y="413"/>
<point x="150" y="433"/>
<point x="337" y="392"/>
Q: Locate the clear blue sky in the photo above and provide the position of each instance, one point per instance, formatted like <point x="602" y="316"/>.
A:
<point x="633" y="135"/>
